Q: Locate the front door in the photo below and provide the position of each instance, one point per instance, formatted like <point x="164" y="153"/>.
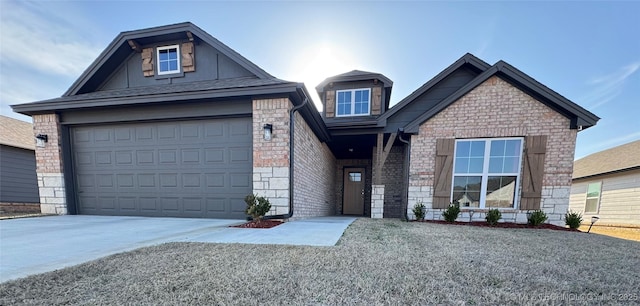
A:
<point x="353" y="199"/>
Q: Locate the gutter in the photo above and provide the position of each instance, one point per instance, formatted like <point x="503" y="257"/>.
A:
<point x="292" y="126"/>
<point x="407" y="159"/>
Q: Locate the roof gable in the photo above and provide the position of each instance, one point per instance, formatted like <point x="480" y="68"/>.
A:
<point x="620" y="158"/>
<point x="119" y="49"/>
<point x="580" y="117"/>
<point x="466" y="60"/>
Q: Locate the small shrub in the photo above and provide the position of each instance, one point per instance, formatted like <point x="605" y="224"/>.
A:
<point x="493" y="215"/>
<point x="452" y="212"/>
<point x="419" y="211"/>
<point x="537" y="217"/>
<point x="257" y="206"/>
<point x="573" y="219"/>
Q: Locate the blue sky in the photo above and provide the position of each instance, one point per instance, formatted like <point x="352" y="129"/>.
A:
<point x="587" y="51"/>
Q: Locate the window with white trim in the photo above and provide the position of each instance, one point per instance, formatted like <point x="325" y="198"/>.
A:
<point x="593" y="197"/>
<point x="168" y="59"/>
<point x="486" y="172"/>
<point x="353" y="102"/>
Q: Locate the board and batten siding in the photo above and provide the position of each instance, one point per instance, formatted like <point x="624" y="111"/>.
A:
<point x="619" y="198"/>
<point x="18" y="181"/>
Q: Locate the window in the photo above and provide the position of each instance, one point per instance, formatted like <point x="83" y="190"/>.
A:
<point x="353" y="102"/>
<point x="486" y="172"/>
<point x="168" y="60"/>
<point x="593" y="198"/>
<point x="355" y="176"/>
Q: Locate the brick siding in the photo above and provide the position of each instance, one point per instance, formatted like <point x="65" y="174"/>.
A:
<point x="497" y="109"/>
<point x="393" y="181"/>
<point x="314" y="176"/>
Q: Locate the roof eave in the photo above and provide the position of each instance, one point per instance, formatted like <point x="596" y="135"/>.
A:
<point x="48" y="106"/>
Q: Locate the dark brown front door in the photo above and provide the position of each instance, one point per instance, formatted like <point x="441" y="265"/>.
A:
<point x="353" y="199"/>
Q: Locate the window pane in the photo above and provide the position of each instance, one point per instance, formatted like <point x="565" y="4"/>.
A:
<point x="591" y="205"/>
<point x="476" y="164"/>
<point x="164" y="66"/>
<point x="593" y="190"/>
<point x="495" y="164"/>
<point x="355" y="176"/>
<point x="511" y="165"/>
<point x="173" y="54"/>
<point x="462" y="165"/>
<point x="163" y="55"/>
<point x="466" y="190"/>
<point x="477" y="148"/>
<point x="500" y="191"/>
<point x="497" y="148"/>
<point x="344" y="103"/>
<point x="173" y="65"/>
<point x="512" y="148"/>
<point x="463" y="148"/>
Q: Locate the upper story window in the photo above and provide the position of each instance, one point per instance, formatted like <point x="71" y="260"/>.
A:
<point x="168" y="59"/>
<point x="353" y="102"/>
<point x="593" y="197"/>
<point x="486" y="172"/>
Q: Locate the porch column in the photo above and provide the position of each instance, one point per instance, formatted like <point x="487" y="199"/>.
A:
<point x="377" y="201"/>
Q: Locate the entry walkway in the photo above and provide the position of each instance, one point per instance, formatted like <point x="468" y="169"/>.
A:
<point x="36" y="245"/>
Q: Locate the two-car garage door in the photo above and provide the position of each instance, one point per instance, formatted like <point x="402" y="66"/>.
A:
<point x="198" y="168"/>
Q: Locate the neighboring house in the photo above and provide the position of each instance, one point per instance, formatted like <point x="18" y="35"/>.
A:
<point x="169" y="121"/>
<point x="607" y="184"/>
<point x="18" y="183"/>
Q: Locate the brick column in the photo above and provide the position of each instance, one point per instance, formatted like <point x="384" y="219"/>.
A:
<point x="271" y="157"/>
<point x="49" y="165"/>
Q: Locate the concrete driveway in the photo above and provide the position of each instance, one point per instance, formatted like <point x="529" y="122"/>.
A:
<point x="36" y="245"/>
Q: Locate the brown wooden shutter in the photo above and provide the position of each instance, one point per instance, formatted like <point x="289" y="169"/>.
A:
<point x="330" y="103"/>
<point x="444" y="167"/>
<point x="376" y="101"/>
<point x="147" y="61"/>
<point x="533" y="171"/>
<point x="188" y="59"/>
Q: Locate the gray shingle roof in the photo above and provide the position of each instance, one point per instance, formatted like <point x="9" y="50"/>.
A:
<point x="16" y="133"/>
<point x="620" y="158"/>
<point x="173" y="88"/>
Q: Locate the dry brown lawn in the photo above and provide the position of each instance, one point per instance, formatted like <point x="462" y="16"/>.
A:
<point x="617" y="232"/>
<point x="375" y="262"/>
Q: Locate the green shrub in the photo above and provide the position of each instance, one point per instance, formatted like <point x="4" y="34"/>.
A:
<point x="537" y="217"/>
<point x="257" y="206"/>
<point x="573" y="219"/>
<point x="419" y="211"/>
<point x="493" y="215"/>
<point x="452" y="212"/>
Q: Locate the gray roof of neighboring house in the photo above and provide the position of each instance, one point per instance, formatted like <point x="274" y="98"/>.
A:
<point x="617" y="159"/>
<point x="16" y="133"/>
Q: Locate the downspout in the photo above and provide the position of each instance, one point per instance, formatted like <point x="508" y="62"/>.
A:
<point x="405" y="204"/>
<point x="292" y="126"/>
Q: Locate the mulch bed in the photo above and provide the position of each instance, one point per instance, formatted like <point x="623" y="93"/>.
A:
<point x="505" y="225"/>
<point x="259" y="224"/>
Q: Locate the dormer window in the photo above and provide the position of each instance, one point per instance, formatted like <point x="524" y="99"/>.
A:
<point x="168" y="59"/>
<point x="353" y="102"/>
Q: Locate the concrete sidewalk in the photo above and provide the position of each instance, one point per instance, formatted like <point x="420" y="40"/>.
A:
<point x="36" y="245"/>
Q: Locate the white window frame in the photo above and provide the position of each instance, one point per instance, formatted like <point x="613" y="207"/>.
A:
<point x="587" y="198"/>
<point x="485" y="172"/>
<point x="353" y="102"/>
<point x="158" y="49"/>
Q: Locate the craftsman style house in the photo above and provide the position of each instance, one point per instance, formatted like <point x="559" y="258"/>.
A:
<point x="169" y="121"/>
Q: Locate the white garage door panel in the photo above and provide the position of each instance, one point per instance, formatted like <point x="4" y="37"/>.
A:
<point x="199" y="168"/>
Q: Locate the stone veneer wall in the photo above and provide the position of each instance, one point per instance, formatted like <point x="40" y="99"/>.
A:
<point x="49" y="165"/>
<point x="339" y="182"/>
<point x="497" y="109"/>
<point x="314" y="173"/>
<point x="377" y="201"/>
<point x="271" y="157"/>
